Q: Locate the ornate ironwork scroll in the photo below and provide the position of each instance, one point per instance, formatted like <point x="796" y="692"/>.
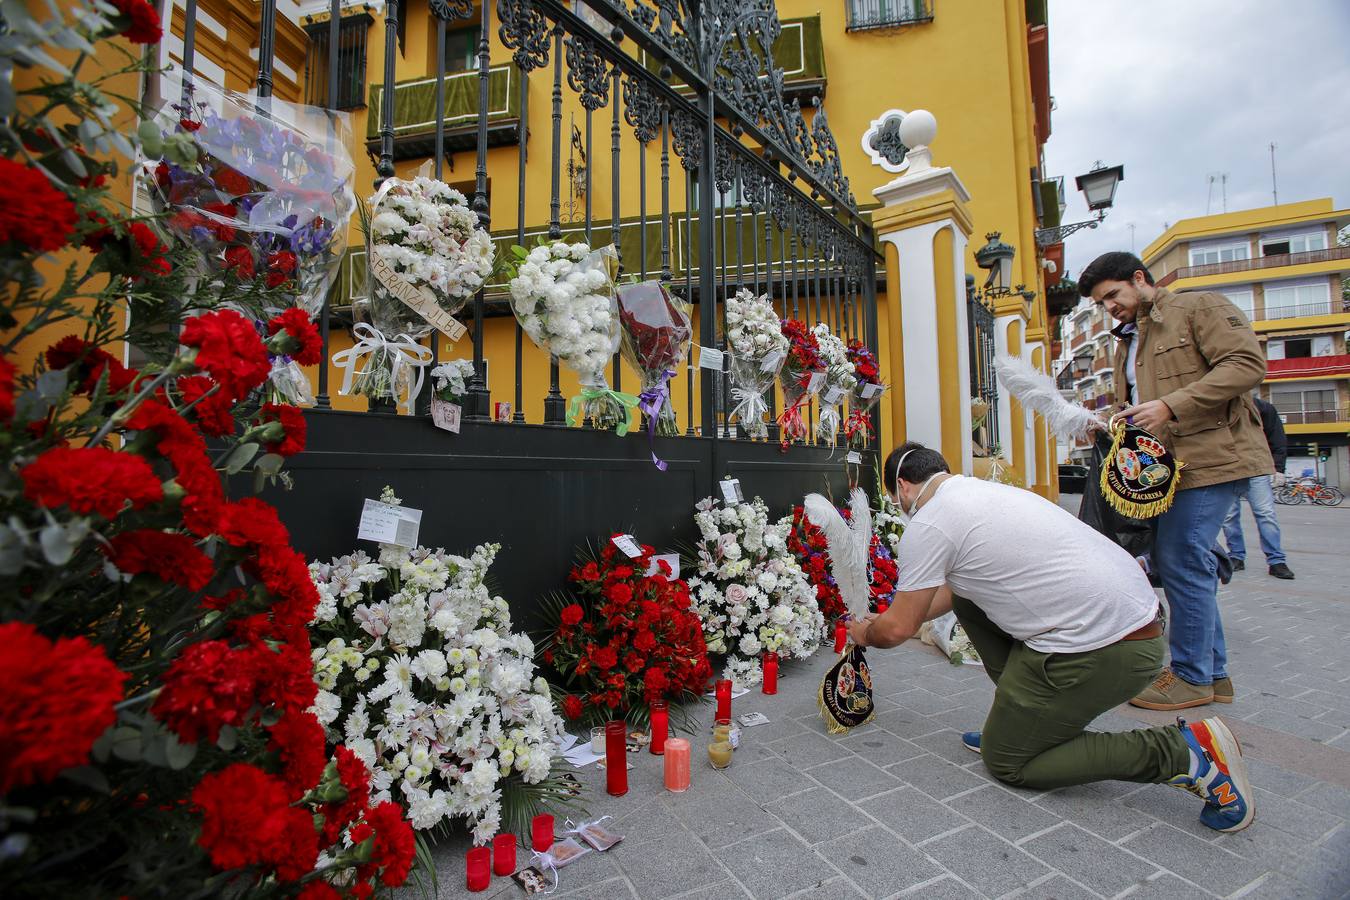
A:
<point x="450" y="10"/>
<point x="525" y="32"/>
<point x="642" y="109"/>
<point x="686" y="132"/>
<point x="587" y="72"/>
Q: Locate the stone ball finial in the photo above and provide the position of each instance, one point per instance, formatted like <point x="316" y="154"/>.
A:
<point x="918" y="129"/>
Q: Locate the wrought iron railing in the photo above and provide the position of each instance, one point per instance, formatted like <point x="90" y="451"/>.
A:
<point x="868" y="14"/>
<point x="1261" y="262"/>
<point x="1315" y="416"/>
<point x="1326" y="308"/>
<point x="776" y="213"/>
<point x="983" y="376"/>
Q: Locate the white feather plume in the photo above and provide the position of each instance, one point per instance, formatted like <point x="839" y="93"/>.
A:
<point x="1039" y="392"/>
<point x="849" y="544"/>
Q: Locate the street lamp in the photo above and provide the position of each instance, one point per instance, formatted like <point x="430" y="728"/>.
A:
<point x="1099" y="189"/>
<point x="996" y="258"/>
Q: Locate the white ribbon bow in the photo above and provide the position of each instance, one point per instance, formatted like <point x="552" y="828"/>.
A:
<point x="406" y="359"/>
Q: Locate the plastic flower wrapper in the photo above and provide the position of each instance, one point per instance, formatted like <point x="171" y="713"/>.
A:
<point x="563" y="296"/>
<point x="866" y="394"/>
<point x="802" y="376"/>
<point x="839" y="382"/>
<point x="758" y="348"/>
<point x="428" y="257"/>
<point x="267" y="198"/>
<point x="656" y="334"/>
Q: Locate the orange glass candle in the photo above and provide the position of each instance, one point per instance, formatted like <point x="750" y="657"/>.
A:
<point x="677" y="765"/>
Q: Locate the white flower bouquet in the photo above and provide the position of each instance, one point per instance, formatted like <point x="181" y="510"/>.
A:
<point x="755" y="339"/>
<point x="420" y="675"/>
<point x="750" y="592"/>
<point x="840" y="380"/>
<point x="424" y="246"/>
<point x="450" y="380"/>
<point x="563" y="296"/>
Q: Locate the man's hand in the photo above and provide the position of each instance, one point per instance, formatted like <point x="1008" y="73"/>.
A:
<point x="1150" y="416"/>
<point x="857" y="629"/>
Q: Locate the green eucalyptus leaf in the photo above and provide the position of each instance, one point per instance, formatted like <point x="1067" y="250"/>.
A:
<point x="151" y="139"/>
<point x="8" y="99"/>
<point x="179" y="755"/>
<point x="270" y="717"/>
<point x="126" y="743"/>
<point x="121" y="144"/>
<point x="240" y="456"/>
<point x="154" y="752"/>
<point x="36" y="56"/>
<point x="228" y="738"/>
<point x="269" y="464"/>
<point x="70" y="39"/>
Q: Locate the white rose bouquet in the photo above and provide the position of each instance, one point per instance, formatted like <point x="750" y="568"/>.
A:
<point x="840" y="380"/>
<point x="450" y="380"/>
<point x="563" y="296"/>
<point x="424" y="231"/>
<point x="750" y="592"/>
<point x="420" y="675"/>
<point x="757" y="345"/>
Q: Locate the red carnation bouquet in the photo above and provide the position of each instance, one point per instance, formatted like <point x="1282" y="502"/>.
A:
<point x="866" y="394"/>
<point x="656" y="333"/>
<point x="801" y="378"/>
<point x="807" y="543"/>
<point x="624" y="638"/>
<point x="156" y="729"/>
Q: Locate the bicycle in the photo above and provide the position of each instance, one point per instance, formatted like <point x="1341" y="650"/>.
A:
<point x="1307" y="491"/>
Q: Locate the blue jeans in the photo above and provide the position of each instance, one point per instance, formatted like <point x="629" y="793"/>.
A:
<point x="1183" y="554"/>
<point x="1261" y="497"/>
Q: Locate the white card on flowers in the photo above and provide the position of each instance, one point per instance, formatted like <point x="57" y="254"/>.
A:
<point x="772" y="361"/>
<point x="854" y="458"/>
<point x="833" y="395"/>
<point x="817" y="379"/>
<point x="629" y="546"/>
<point x="388" y="524"/>
<point x="871" y="390"/>
<point x="731" y="490"/>
<point x="672" y="560"/>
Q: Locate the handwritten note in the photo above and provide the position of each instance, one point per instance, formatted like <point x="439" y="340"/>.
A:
<point x="731" y="491"/>
<point x="871" y="390"/>
<point x="388" y="524"/>
<point x="833" y="395"/>
<point x="419" y="299"/>
<point x="629" y="546"/>
<point x="854" y="458"/>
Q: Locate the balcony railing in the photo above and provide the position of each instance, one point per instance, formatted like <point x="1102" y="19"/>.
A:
<point x="1315" y="416"/>
<point x="1309" y="367"/>
<point x="864" y="15"/>
<point x="1261" y="262"/>
<point x="1328" y="308"/>
<point x="415" y="112"/>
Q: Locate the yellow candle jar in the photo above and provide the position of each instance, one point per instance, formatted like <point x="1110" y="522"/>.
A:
<point x="719" y="754"/>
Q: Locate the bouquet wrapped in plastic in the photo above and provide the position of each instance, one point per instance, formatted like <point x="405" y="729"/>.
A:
<point x="802" y="376"/>
<point x="839" y="382"/>
<point x="563" y="296"/>
<point x="427" y="257"/>
<point x="656" y="333"/>
<point x="268" y="198"/>
<point x="755" y="339"/>
<point x="866" y="393"/>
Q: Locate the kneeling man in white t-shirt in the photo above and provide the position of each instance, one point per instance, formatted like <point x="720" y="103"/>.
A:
<point x="1068" y="627"/>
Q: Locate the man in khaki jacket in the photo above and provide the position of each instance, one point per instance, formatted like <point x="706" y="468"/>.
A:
<point x="1187" y="363"/>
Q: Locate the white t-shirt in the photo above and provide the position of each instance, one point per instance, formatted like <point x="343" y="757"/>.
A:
<point x="1038" y="573"/>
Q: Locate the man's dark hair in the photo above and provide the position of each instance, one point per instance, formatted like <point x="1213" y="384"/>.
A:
<point x="921" y="464"/>
<point x="1114" y="266"/>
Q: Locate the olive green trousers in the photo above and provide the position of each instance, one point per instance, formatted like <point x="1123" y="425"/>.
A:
<point x="1034" y="736"/>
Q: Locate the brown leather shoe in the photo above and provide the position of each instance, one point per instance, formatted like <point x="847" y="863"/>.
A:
<point x="1170" y="692"/>
<point x="1223" y="690"/>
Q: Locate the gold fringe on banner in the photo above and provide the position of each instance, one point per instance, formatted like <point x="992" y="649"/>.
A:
<point x="1116" y="498"/>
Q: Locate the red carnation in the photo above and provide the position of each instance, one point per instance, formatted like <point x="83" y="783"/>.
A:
<point x="150" y="251"/>
<point x="33" y="213"/>
<point x="247" y="821"/>
<point x="240" y="259"/>
<point x="229" y="349"/>
<point x="355" y="780"/>
<point x="249" y="522"/>
<point x="318" y="890"/>
<point x="394" y="843"/>
<point x="171" y="557"/>
<point x="280" y="266"/>
<point x="619" y="592"/>
<point x="180" y="443"/>
<point x="207" y="686"/>
<point x="306" y="346"/>
<point x="58" y="698"/>
<point x="605" y="658"/>
<point x="572" y="707"/>
<point x="7" y="372"/>
<point x="142" y="21"/>
<point x="286" y="575"/>
<point x="213" y="409"/>
<point x="299" y="740"/>
<point x="572" y="614"/>
<point x="644" y="642"/>
<point x="231" y="181"/>
<point x="90" y="480"/>
<point x="293" y="428"/>
<point x="92" y="363"/>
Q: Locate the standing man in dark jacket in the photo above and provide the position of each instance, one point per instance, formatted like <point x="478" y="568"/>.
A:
<point x="1188" y="363"/>
<point x="1260" y="494"/>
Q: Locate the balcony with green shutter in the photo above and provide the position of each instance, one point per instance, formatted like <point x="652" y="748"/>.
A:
<point x="798" y="50"/>
<point x="415" y="113"/>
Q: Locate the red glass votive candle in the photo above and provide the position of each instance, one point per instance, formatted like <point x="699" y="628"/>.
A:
<point x="660" y="726"/>
<point x="882" y="606"/>
<point x="723" y="698"/>
<point x="504" y="854"/>
<point x="616" y="759"/>
<point x="541" y="832"/>
<point x="677" y="765"/>
<point x="478" y="866"/>
<point x="770" y="673"/>
<point x="840" y="636"/>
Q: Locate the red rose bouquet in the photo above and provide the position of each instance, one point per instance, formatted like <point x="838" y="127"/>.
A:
<point x="802" y="376"/>
<point x="157" y="736"/>
<point x="624" y="638"/>
<point x="656" y="333"/>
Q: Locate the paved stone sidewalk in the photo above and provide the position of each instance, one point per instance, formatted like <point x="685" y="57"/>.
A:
<point x="899" y="808"/>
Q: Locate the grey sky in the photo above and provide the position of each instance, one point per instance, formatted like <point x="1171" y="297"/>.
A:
<point x="1182" y="89"/>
